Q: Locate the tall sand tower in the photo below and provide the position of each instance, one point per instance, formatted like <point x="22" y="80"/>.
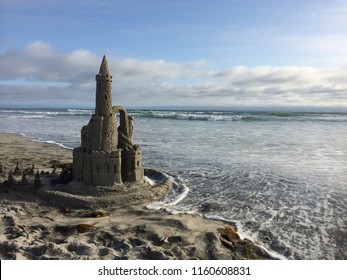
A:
<point x="98" y="161"/>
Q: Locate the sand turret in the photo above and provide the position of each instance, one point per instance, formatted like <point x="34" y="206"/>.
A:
<point x="103" y="95"/>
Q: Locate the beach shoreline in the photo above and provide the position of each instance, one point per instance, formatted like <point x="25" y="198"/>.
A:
<point x="32" y="228"/>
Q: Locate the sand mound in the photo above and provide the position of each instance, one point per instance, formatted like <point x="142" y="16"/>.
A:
<point x="77" y="195"/>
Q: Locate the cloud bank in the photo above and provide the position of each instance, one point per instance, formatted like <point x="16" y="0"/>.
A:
<point x="42" y="76"/>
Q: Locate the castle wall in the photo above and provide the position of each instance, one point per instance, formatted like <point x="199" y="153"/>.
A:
<point x="82" y="166"/>
<point x="97" y="169"/>
<point x="125" y="129"/>
<point x="95" y="132"/>
<point x="132" y="169"/>
<point x="86" y="139"/>
<point x="109" y="133"/>
<point x="77" y="170"/>
<point x="106" y="168"/>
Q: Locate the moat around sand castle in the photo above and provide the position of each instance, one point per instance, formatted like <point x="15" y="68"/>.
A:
<point x="107" y="167"/>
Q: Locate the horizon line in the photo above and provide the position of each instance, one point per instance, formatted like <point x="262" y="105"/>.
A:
<point x="202" y="108"/>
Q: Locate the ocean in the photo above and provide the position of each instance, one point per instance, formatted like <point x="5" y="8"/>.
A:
<point x="280" y="176"/>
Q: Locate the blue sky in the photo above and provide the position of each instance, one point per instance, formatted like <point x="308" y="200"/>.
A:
<point x="174" y="53"/>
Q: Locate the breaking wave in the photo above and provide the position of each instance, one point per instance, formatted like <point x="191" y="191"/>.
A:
<point x="46" y="113"/>
<point x="188" y="115"/>
<point x="239" y="116"/>
<point x="178" y="192"/>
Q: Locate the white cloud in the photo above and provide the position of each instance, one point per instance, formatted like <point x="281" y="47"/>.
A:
<point x="40" y="61"/>
<point x="41" y="75"/>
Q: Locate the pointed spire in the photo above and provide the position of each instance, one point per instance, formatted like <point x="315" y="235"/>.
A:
<point x="104" y="67"/>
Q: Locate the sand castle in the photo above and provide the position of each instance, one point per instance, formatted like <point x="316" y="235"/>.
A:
<point x="107" y="155"/>
<point x="106" y="169"/>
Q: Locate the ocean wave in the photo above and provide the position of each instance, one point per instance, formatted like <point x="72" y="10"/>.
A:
<point x="80" y="111"/>
<point x="26" y="117"/>
<point x="193" y="115"/>
<point x="178" y="192"/>
<point x="190" y="115"/>
<point x="36" y="113"/>
<point x="52" y="142"/>
<point x="238" y="116"/>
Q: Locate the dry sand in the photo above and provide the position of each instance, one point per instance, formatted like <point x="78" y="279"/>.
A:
<point x="33" y="228"/>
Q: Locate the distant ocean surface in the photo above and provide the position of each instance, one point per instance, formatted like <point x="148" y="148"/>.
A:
<point x="280" y="176"/>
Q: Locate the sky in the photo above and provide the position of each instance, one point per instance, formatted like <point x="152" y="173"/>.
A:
<point x="183" y="53"/>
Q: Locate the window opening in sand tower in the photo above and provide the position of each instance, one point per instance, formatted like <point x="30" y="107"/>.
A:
<point x="97" y="168"/>
<point x="107" y="166"/>
<point x="115" y="168"/>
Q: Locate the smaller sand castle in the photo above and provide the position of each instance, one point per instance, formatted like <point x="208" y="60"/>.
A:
<point x="107" y="155"/>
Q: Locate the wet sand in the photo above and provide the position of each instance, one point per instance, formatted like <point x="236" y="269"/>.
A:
<point x="32" y="227"/>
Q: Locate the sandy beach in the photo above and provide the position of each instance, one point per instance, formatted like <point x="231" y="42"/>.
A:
<point x="33" y="228"/>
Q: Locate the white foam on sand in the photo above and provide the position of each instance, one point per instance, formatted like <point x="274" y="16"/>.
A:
<point x="53" y="142"/>
<point x="178" y="192"/>
<point x="244" y="236"/>
<point x="149" y="180"/>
